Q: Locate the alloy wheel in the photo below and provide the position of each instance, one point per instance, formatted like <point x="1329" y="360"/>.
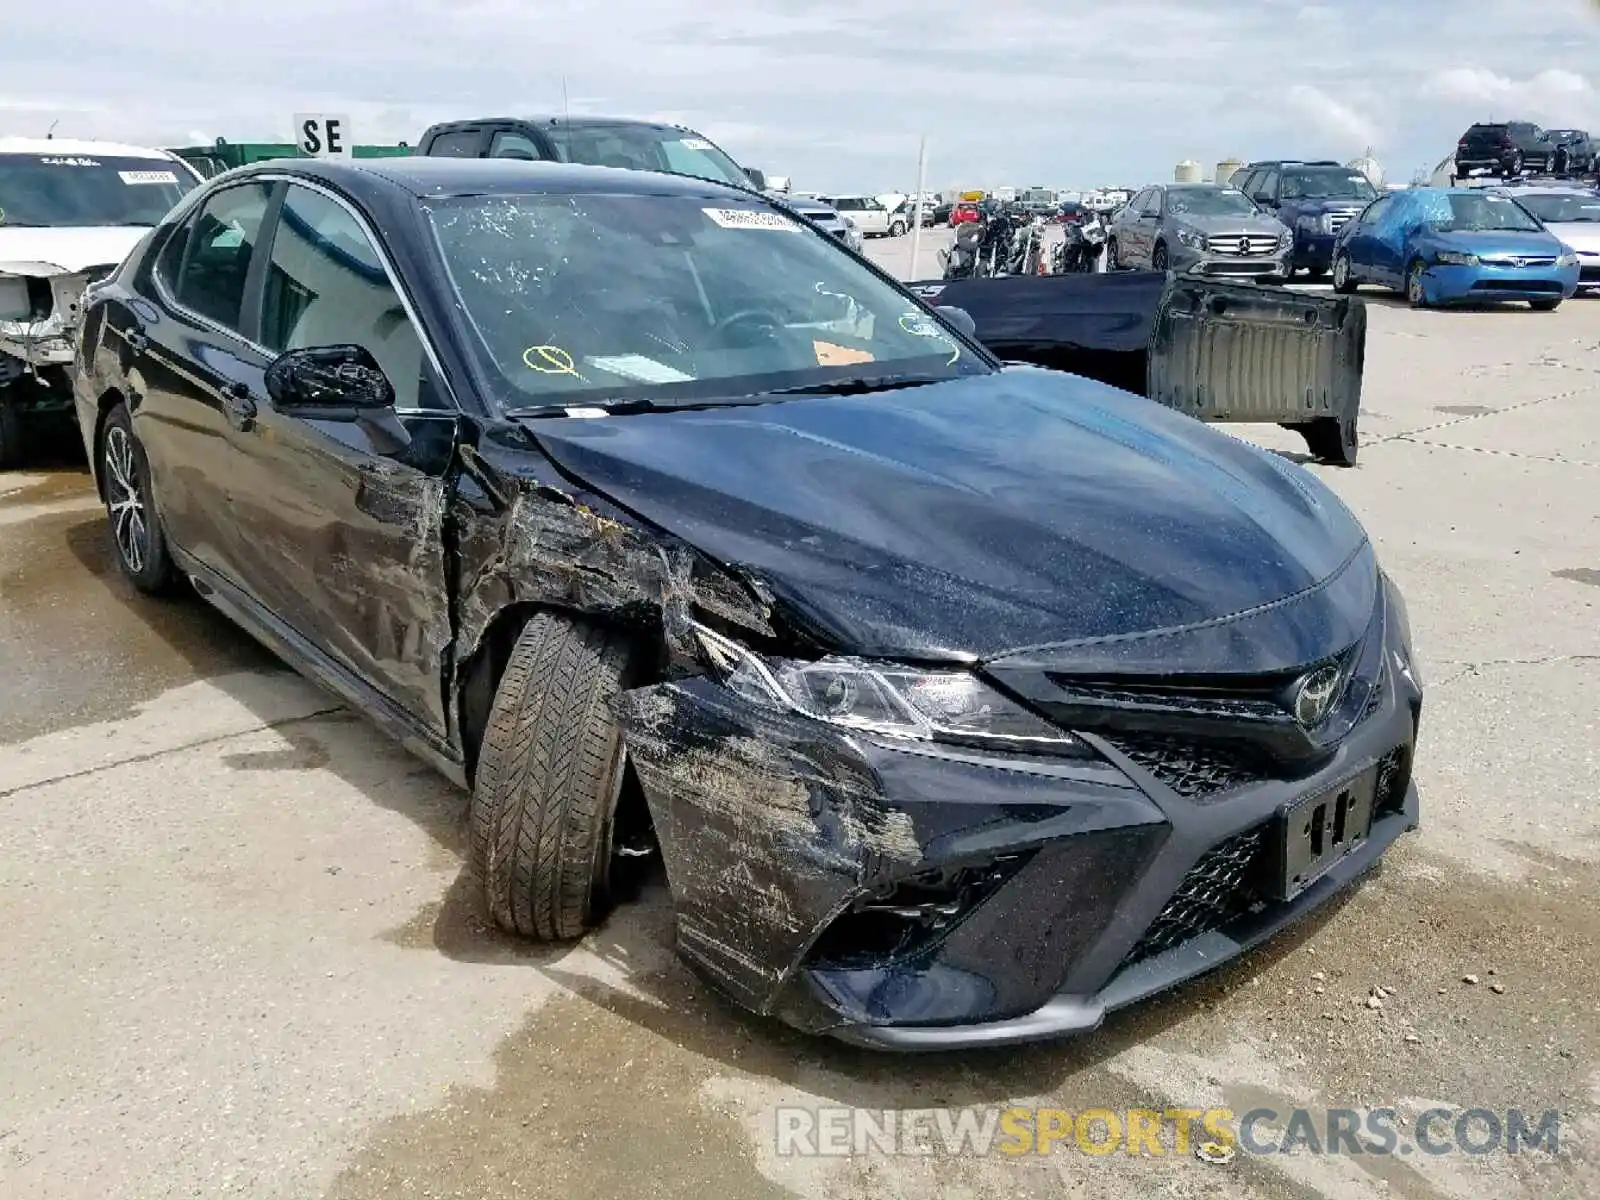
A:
<point x="130" y="526"/>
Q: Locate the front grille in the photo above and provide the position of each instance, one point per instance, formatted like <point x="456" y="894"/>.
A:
<point x="1218" y="889"/>
<point x="1338" y="220"/>
<point x="1243" y="245"/>
<point x="1538" y="261"/>
<point x="1195" y="770"/>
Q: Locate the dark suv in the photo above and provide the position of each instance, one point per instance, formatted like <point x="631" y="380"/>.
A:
<point x="615" y="142"/>
<point x="1509" y="147"/>
<point x="1314" y="198"/>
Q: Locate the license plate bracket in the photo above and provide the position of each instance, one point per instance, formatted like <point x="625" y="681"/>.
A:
<point x="1318" y="830"/>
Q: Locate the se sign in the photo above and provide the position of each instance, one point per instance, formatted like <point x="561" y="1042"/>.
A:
<point x="321" y="135"/>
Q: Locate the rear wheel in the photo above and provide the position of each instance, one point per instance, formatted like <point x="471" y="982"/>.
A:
<point x="136" y="534"/>
<point x="1331" y="440"/>
<point x="1113" y="256"/>
<point x="898" y="229"/>
<point x="1516" y="163"/>
<point x="1344" y="282"/>
<point x="549" y="776"/>
<point x="1544" y="305"/>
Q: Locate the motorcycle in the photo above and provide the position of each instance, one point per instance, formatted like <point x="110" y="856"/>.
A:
<point x="1026" y="252"/>
<point x="1081" y="250"/>
<point x="961" y="260"/>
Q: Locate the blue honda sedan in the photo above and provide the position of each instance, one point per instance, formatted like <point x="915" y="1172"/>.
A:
<point x="1443" y="245"/>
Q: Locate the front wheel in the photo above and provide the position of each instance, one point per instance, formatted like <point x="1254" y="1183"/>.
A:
<point x="136" y="533"/>
<point x="1113" y="256"/>
<point x="1344" y="282"/>
<point x="549" y="777"/>
<point x="1514" y="167"/>
<point x="1416" y="291"/>
<point x="1544" y="305"/>
<point x="898" y="229"/>
<point x="1158" y="257"/>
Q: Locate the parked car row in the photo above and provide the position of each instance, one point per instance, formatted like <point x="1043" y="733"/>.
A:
<point x="1537" y="243"/>
<point x="1509" y="148"/>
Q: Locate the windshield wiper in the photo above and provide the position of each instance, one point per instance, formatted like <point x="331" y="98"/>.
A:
<point x="609" y="407"/>
<point x="858" y="385"/>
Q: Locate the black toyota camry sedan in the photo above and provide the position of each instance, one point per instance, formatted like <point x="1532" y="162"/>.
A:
<point x="961" y="702"/>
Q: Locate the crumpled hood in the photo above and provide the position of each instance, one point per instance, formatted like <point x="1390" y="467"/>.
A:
<point x="28" y="251"/>
<point x="988" y="514"/>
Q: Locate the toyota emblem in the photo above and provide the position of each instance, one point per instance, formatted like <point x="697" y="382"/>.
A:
<point x="1314" y="695"/>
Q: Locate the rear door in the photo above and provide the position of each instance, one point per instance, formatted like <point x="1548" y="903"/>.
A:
<point x="194" y="365"/>
<point x="346" y="539"/>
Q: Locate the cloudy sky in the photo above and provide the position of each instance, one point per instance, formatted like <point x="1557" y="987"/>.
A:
<point x="834" y="94"/>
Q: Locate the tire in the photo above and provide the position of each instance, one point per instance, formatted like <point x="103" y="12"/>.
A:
<point x="10" y="434"/>
<point x="137" y="540"/>
<point x="1416" y="294"/>
<point x="1515" y="164"/>
<point x="549" y="775"/>
<point x="1158" y="257"/>
<point x="898" y="229"/>
<point x="1331" y="441"/>
<point x="1544" y="305"/>
<point x="1113" y="262"/>
<point x="1344" y="282"/>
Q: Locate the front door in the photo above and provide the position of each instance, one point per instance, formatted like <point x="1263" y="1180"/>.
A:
<point x="347" y="532"/>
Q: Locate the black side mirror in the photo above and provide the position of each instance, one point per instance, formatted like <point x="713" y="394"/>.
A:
<point x="960" y="318"/>
<point x="338" y="383"/>
<point x="757" y="177"/>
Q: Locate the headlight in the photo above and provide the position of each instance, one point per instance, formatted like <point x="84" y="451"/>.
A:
<point x="1285" y="240"/>
<point x="1452" y="258"/>
<point x="1566" y="259"/>
<point x="1326" y="222"/>
<point x="1192" y="240"/>
<point x="886" y="699"/>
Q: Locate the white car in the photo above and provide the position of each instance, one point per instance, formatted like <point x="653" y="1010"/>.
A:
<point x="1572" y="214"/>
<point x="70" y="211"/>
<point x="868" y="214"/>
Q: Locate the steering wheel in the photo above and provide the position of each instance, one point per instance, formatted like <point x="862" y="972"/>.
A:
<point x="754" y="319"/>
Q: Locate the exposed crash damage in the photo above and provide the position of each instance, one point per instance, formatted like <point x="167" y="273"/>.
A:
<point x="962" y="702"/>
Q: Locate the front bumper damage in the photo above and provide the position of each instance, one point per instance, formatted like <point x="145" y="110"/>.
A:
<point x="925" y="897"/>
<point x="41" y="306"/>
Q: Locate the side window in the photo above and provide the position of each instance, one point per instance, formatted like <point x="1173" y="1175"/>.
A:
<point x="1269" y="188"/>
<point x="221" y="239"/>
<point x="507" y="144"/>
<point x="456" y="143"/>
<point x="1376" y="210"/>
<point x="1246" y="181"/>
<point x="169" y="263"/>
<point x="326" y="286"/>
<point x="1152" y="203"/>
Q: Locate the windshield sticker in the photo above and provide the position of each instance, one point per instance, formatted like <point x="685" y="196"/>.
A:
<point x="831" y="354"/>
<point x="69" y="162"/>
<point x="550" y="360"/>
<point x="637" y="366"/>
<point x="695" y="144"/>
<point x="749" y="218"/>
<point x="132" y="178"/>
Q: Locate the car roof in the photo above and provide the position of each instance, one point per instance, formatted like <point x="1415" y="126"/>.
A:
<point x="428" y="176"/>
<point x="1293" y="162"/>
<point x="78" y="146"/>
<point x="578" y="122"/>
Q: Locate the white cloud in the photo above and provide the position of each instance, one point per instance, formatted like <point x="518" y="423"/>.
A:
<point x="832" y="92"/>
<point x="1337" y="121"/>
